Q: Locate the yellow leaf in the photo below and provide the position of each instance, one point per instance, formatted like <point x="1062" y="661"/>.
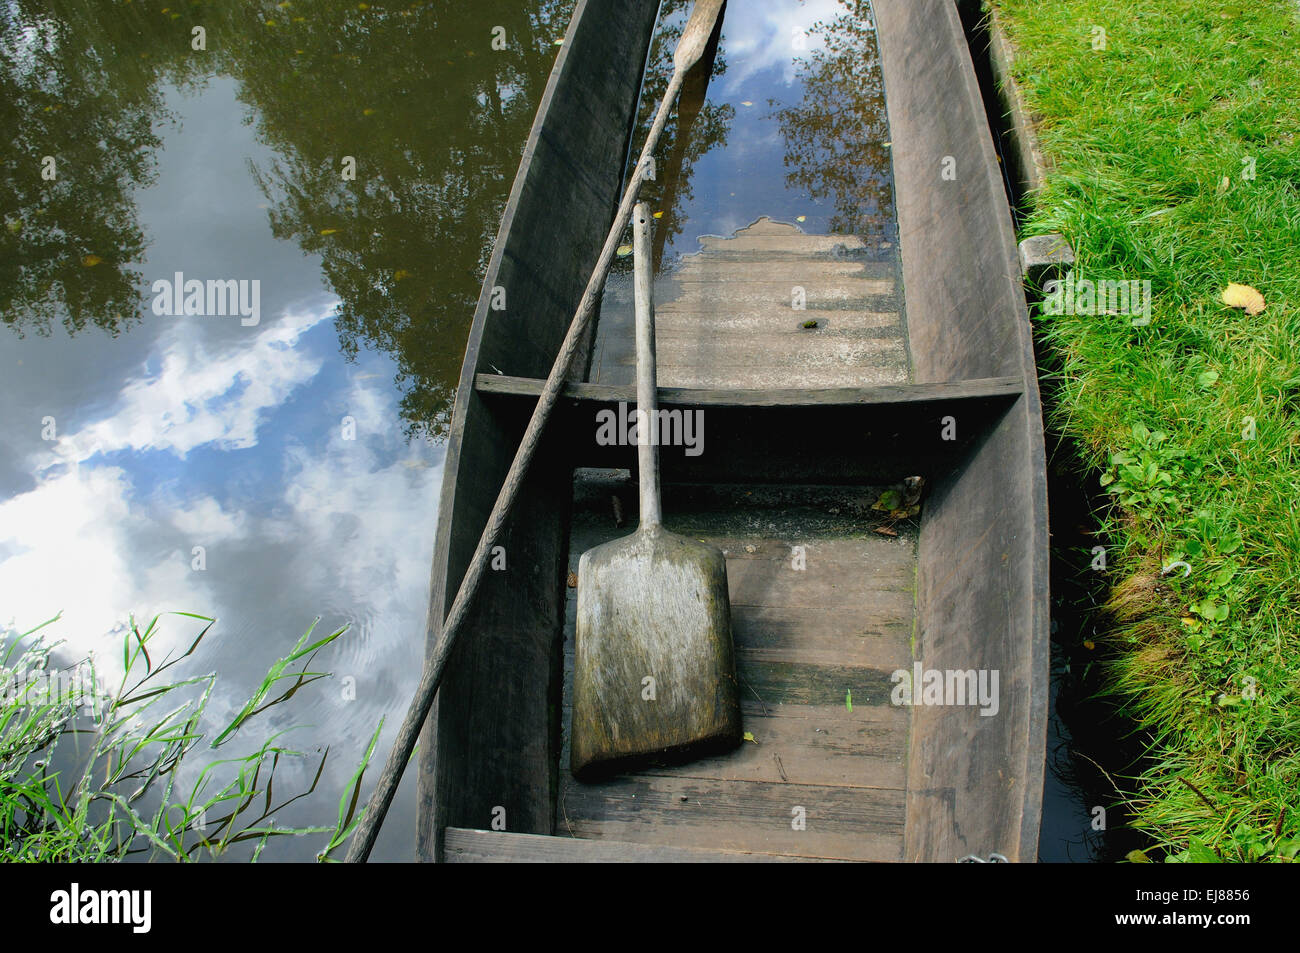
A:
<point x="801" y="218"/>
<point x="367" y="112"/>
<point x="401" y="273"/>
<point x="746" y="103"/>
<point x="1243" y="296"/>
<point x="749" y="736"/>
<point x="659" y="215"/>
<point x="1089" y="644"/>
<point x="624" y="251"/>
<point x="90" y="261"/>
<point x="328" y="231"/>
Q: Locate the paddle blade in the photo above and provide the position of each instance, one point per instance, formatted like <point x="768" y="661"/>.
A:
<point x="654" y="676"/>
<point x="696" y="33"/>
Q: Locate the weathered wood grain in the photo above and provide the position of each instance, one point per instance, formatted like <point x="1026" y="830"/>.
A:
<point x="841" y="822"/>
<point x="502" y="847"/>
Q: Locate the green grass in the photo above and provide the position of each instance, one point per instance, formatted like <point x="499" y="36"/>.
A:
<point x="89" y="773"/>
<point x="1141" y="136"/>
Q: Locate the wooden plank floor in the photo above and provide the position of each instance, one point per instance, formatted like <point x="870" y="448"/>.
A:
<point x="805" y="639"/>
<point x="726" y="316"/>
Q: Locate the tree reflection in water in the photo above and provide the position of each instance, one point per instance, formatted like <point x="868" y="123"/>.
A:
<point x="432" y="111"/>
<point x="836" y="138"/>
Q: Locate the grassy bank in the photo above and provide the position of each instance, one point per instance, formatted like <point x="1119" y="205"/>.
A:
<point x="1172" y="139"/>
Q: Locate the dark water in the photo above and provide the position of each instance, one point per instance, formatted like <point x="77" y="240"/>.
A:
<point x="789" y="122"/>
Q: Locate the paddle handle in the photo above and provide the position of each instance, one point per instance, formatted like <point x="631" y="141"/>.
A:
<point x="436" y="661"/>
<point x="696" y="33"/>
<point x="647" y="430"/>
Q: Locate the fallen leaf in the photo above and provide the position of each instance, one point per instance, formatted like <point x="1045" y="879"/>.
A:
<point x="1089" y="644"/>
<point x="367" y="112"/>
<point x="886" y="531"/>
<point x="1137" y="857"/>
<point x="658" y="215"/>
<point x="749" y="736"/>
<point x="328" y="231"/>
<point x="1223" y="185"/>
<point x="559" y="42"/>
<point x="401" y="273"/>
<point x="848" y="700"/>
<point x="572" y="580"/>
<point x="624" y="251"/>
<point x="1243" y="296"/>
<point x="801" y="218"/>
<point x="1206" y="379"/>
<point x="90" y="261"/>
<point x="746" y="103"/>
<point x="889" y="500"/>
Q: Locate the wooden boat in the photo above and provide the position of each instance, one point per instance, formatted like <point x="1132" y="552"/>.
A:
<point x="800" y="442"/>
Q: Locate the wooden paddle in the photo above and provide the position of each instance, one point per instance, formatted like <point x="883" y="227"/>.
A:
<point x="654" y="677"/>
<point x="691" y="46"/>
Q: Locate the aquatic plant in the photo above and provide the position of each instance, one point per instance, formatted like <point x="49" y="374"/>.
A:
<point x="133" y="790"/>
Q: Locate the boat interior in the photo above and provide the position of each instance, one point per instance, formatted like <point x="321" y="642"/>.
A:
<point x="858" y="431"/>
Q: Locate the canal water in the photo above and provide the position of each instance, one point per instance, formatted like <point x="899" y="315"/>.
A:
<point x="343" y="167"/>
<point x="278" y="464"/>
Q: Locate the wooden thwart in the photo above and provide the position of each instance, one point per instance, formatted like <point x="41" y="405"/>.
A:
<point x="981" y="389"/>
